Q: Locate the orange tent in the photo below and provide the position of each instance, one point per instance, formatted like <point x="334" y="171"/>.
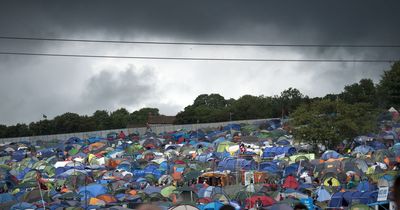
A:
<point x="133" y="192"/>
<point x="107" y="198"/>
<point x="113" y="163"/>
<point x="96" y="146"/>
<point x="96" y="202"/>
<point x="177" y="176"/>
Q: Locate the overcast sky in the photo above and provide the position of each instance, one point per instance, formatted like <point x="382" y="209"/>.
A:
<point x="32" y="86"/>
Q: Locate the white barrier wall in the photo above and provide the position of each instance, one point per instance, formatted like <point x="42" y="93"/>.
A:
<point x="103" y="133"/>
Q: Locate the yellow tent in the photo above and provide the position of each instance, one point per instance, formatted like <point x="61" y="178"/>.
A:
<point x="334" y="182"/>
<point x="223" y="146"/>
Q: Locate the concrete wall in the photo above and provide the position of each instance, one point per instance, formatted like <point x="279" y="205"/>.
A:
<point x="103" y="133"/>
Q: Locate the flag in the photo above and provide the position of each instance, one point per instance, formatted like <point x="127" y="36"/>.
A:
<point x="44" y="116"/>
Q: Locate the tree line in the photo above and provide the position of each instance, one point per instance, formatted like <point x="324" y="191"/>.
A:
<point x="337" y="116"/>
<point x="72" y="122"/>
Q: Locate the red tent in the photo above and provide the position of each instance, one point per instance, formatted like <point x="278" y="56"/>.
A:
<point x="290" y="182"/>
<point x="265" y="201"/>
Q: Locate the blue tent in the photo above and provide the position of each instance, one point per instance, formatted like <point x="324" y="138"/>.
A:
<point x="363" y="149"/>
<point x="5" y="197"/>
<point x="214" y="133"/>
<point x="344" y="199"/>
<point x="368" y="197"/>
<point x="211" y="206"/>
<point x="200" y="145"/>
<point x="305" y="186"/>
<point x="337" y="200"/>
<point x="233" y="164"/>
<point x="152" y="170"/>
<point x="283" y="142"/>
<point x="322" y="194"/>
<point x="377" y="145"/>
<point x="270" y="168"/>
<point x="365" y="186"/>
<point x="222" y="155"/>
<point x="291" y="169"/>
<point x="22" y="206"/>
<point x="273" y="151"/>
<point x="178" y="135"/>
<point x="18" y="155"/>
<point x="74" y="140"/>
<point x="92" y="190"/>
<point x="232" y="126"/>
<point x="94" y="139"/>
<point x="204" y="157"/>
<point x="46" y="153"/>
<point x="273" y="124"/>
<point x="197" y="134"/>
<point x="330" y="154"/>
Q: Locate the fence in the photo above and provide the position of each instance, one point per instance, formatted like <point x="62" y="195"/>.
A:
<point x="103" y="133"/>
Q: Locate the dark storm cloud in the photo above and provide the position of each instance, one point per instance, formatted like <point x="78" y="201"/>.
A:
<point x="290" y="21"/>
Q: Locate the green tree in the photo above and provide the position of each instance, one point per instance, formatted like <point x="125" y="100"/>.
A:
<point x="290" y="99"/>
<point x="67" y="123"/>
<point x="119" y="118"/>
<point x="3" y="131"/>
<point x="101" y="118"/>
<point x="141" y="116"/>
<point x="212" y="100"/>
<point x="251" y="107"/>
<point x="389" y="87"/>
<point x="362" y="92"/>
<point x="206" y="108"/>
<point x="330" y="122"/>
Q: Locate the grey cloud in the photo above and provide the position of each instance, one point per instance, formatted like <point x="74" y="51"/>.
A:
<point x="110" y="89"/>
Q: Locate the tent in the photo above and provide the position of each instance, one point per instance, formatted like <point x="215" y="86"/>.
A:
<point x="331" y="182"/>
<point x="385" y="181"/>
<point x="322" y="194"/>
<point x="360" y="207"/>
<point x="211" y="206"/>
<point x="234" y="164"/>
<point x="223" y="146"/>
<point x="330" y="154"/>
<point x="6" y="197"/>
<point x="290" y="183"/>
<point x="337" y="200"/>
<point x="283" y="142"/>
<point x="347" y="198"/>
<point x="184" y="207"/>
<point x="167" y="191"/>
<point x="92" y="190"/>
<point x="281" y="206"/>
<point x="210" y="191"/>
<point x="363" y="149"/>
<point x="265" y="201"/>
<point x="365" y="186"/>
<point x="273" y="151"/>
<point x="151" y="143"/>
<point x="22" y="206"/>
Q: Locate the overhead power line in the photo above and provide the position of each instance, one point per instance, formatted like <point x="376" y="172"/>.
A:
<point x="203" y="43"/>
<point x="201" y="58"/>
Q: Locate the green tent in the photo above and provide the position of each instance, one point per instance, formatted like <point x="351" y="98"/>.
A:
<point x="167" y="191"/>
<point x="360" y="207"/>
<point x="223" y="146"/>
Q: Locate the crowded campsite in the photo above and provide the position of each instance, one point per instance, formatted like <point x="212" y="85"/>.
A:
<point x="248" y="166"/>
